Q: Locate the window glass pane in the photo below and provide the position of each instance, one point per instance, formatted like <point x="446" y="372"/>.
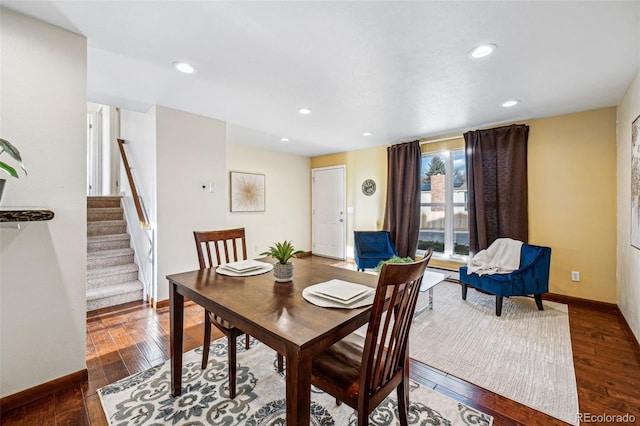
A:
<point x="443" y="213"/>
<point x="431" y="228"/>
<point x="461" y="230"/>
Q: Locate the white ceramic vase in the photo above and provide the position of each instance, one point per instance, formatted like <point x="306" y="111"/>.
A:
<point x="283" y="273"/>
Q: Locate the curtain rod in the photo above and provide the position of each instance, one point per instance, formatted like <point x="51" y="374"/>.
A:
<point x="441" y="139"/>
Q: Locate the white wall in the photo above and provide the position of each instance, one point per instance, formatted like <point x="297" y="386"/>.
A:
<point x="288" y="198"/>
<point x="628" y="256"/>
<point x="139" y="133"/>
<point x="190" y="152"/>
<point x="43" y="266"/>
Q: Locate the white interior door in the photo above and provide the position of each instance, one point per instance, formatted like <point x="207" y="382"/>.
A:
<point x="329" y="212"/>
<point x="94" y="150"/>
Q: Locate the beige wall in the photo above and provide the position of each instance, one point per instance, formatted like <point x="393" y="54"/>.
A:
<point x="572" y="200"/>
<point x="191" y="150"/>
<point x="572" y="197"/>
<point x="364" y="213"/>
<point x="628" y="256"/>
<point x="287" y="188"/>
<point x="43" y="265"/>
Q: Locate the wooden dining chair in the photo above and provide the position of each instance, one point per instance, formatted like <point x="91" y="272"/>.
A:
<point x="226" y="244"/>
<point x="362" y="377"/>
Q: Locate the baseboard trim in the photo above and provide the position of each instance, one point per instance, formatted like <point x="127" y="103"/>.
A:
<point x="628" y="330"/>
<point x="578" y="301"/>
<point x="33" y="394"/>
<point x="594" y="304"/>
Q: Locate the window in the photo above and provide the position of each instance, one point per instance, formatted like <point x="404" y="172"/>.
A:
<point x="444" y="225"/>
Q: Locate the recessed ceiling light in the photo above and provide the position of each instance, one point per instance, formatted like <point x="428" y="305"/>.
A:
<point x="184" y="67"/>
<point x="367" y="134"/>
<point x="482" y="51"/>
<point x="284" y="139"/>
<point x="509" y="104"/>
<point x="305" y="111"/>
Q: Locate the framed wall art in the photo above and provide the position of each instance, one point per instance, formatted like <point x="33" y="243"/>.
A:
<point x="635" y="183"/>
<point x="247" y="192"/>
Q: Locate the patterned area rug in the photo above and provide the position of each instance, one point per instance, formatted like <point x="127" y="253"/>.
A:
<point x="144" y="398"/>
<point x="524" y="355"/>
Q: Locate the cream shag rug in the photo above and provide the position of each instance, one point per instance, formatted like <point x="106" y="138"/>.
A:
<point x="524" y="355"/>
<point x="144" y="398"/>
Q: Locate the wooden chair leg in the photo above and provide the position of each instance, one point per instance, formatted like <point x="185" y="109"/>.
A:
<point x="538" y="298"/>
<point x="280" y="363"/>
<point x="498" y="305"/>
<point x="403" y="402"/>
<point x="246" y="341"/>
<point x="464" y="291"/>
<point x="207" y="340"/>
<point x="231" y="351"/>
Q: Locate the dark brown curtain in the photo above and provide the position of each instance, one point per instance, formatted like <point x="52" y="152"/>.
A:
<point x="402" y="213"/>
<point x="497" y="185"/>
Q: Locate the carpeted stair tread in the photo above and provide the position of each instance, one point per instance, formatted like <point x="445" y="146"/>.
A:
<point x="112" y="270"/>
<point x="115" y="294"/>
<point x="105" y="227"/>
<point x="101" y="277"/>
<point x="112" y="257"/>
<point x="107" y="242"/>
<point x="113" y="289"/>
<point x="104" y="214"/>
<point x="112" y="275"/>
<point x="97" y="202"/>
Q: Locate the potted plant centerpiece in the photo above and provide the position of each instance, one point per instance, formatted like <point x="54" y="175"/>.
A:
<point x="394" y="259"/>
<point x="282" y="252"/>
<point x="12" y="151"/>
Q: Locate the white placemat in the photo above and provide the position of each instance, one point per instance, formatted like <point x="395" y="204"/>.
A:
<point x="310" y="295"/>
<point x="224" y="271"/>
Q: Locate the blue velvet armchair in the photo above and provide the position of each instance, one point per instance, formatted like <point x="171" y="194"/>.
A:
<point x="371" y="248"/>
<point x="531" y="278"/>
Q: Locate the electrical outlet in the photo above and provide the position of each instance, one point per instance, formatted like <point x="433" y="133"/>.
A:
<point x="575" y="276"/>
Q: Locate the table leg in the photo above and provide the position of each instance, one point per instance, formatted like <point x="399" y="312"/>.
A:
<point x="176" y="318"/>
<point x="298" y="379"/>
<point x="431" y="298"/>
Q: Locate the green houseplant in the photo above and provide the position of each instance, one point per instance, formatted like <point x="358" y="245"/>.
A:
<point x="394" y="259"/>
<point x="12" y="151"/>
<point x="282" y="252"/>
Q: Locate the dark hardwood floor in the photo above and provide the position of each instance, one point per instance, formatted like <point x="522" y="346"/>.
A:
<point x="133" y="337"/>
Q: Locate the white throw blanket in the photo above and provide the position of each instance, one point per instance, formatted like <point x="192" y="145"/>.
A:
<point x="501" y="257"/>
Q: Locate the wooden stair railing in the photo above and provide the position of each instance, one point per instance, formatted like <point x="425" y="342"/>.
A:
<point x="134" y="192"/>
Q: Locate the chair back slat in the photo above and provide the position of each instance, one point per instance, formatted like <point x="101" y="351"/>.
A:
<point x="218" y="241"/>
<point x="385" y="348"/>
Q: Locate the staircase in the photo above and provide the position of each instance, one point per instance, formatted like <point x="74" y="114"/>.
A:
<point x="112" y="275"/>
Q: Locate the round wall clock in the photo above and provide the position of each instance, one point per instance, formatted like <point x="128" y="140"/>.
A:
<point x="368" y="187"/>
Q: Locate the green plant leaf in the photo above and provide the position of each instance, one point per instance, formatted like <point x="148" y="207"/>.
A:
<point x="282" y="252"/>
<point x="13" y="153"/>
<point x="394" y="259"/>
<point x="7" y="168"/>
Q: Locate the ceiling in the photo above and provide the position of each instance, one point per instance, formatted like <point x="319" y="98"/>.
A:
<point x="400" y="70"/>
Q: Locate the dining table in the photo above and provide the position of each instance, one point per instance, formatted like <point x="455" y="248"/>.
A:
<point x="274" y="313"/>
